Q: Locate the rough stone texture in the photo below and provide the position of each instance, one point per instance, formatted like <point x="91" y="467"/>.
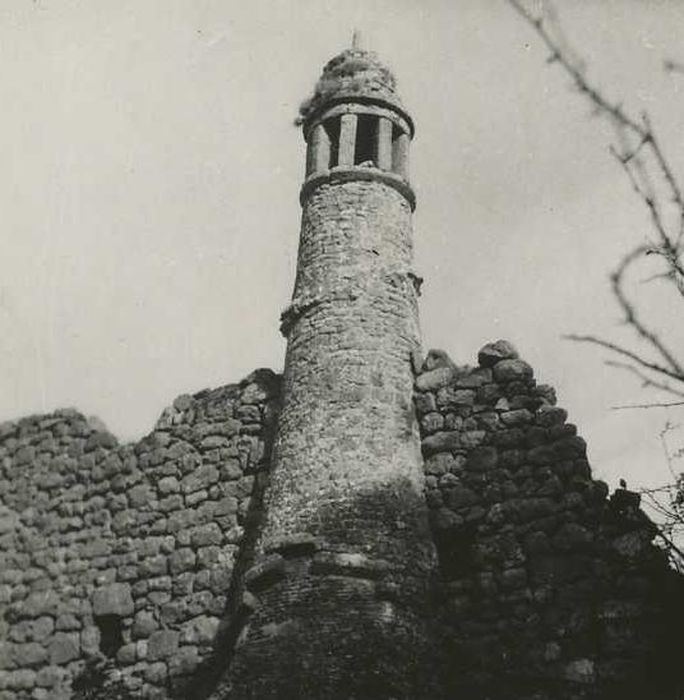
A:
<point x="549" y="588"/>
<point x="349" y="75"/>
<point x="347" y="471"/>
<point x="144" y="536"/>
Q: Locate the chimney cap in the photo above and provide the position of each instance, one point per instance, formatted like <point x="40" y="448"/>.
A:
<point x="354" y="75"/>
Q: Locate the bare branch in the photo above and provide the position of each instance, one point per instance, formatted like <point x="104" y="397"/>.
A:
<point x="648" y="405"/>
<point x="640" y="130"/>
<point x="646" y="381"/>
<point x="642" y="159"/>
<point x="631" y="317"/>
<point x="626" y="353"/>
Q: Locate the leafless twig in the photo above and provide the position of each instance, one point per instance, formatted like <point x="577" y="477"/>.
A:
<point x="641" y="157"/>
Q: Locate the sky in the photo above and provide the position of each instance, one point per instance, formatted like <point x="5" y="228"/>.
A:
<point x="149" y="194"/>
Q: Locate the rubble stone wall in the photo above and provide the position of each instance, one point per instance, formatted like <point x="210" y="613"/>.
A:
<point x="127" y="553"/>
<point x="126" y="568"/>
<point x="549" y="588"/>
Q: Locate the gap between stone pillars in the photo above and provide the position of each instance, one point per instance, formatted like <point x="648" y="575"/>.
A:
<point x="347" y="139"/>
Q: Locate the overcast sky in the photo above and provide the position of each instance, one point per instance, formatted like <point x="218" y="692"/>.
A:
<point x="149" y="185"/>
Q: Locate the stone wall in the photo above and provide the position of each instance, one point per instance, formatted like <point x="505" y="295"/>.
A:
<point x="119" y="563"/>
<point x="549" y="588"/>
<point x="122" y="566"/>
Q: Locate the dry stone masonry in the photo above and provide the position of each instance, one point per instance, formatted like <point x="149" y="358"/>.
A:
<point x="126" y="552"/>
<point x="550" y="588"/>
<point x="367" y="526"/>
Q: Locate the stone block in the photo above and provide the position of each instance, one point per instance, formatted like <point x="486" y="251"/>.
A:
<point x="472" y="438"/>
<point x="435" y="379"/>
<point x="41" y="603"/>
<point x="113" y="599"/>
<point x="439" y="464"/>
<point x="226" y="506"/>
<point x="162" y="644"/>
<point x="512" y="371"/>
<point x="184" y="662"/>
<point x="182" y="560"/>
<point x="126" y="655"/>
<point x="64" y="647"/>
<point x="200" y="479"/>
<point x="156" y="673"/>
<point x="22" y="679"/>
<point x="167" y="485"/>
<point x="482" y="459"/>
<point x="441" y="442"/>
<point x="548" y="416"/>
<point x="520" y="416"/>
<point x="42" y="628"/>
<point x="432" y="422"/>
<point x="435" y="359"/>
<point x="200" y="630"/>
<point x="204" y="535"/>
<point x="425" y="403"/>
<point x="31" y="654"/>
<point x="580" y="671"/>
<point x="49" y="676"/>
<point x="144" y="624"/>
<point x="492" y="353"/>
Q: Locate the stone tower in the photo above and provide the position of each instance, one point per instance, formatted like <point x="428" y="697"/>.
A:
<point x="344" y="559"/>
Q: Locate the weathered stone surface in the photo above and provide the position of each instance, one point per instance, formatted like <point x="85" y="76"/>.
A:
<point x="520" y="525"/>
<point x="482" y="459"/>
<point x="201" y="478"/>
<point x="32" y="654"/>
<point x="200" y="630"/>
<point x="105" y="537"/>
<point x="182" y="559"/>
<point x="441" y="442"/>
<point x="435" y="359"/>
<point x="512" y="370"/>
<point x="113" y="599"/>
<point x="41" y="603"/>
<point x="203" y="535"/>
<point x="435" y="379"/>
<point x="491" y="353"/>
<point x="144" y="624"/>
<point x="162" y="644"/>
<point x="64" y="647"/>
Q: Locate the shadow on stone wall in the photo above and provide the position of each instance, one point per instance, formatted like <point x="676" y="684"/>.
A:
<point x="238" y="608"/>
<point x="116" y="561"/>
<point x="338" y="620"/>
<point x="550" y="590"/>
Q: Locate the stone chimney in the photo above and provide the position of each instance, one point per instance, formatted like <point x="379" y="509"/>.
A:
<point x="344" y="559"/>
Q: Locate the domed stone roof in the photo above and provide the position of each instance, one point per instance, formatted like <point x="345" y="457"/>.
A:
<point x="353" y="75"/>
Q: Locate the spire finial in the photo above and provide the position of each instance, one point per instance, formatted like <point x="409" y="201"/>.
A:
<point x="356" y="39"/>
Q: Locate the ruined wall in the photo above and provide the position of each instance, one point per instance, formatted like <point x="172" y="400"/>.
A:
<point x="123" y="566"/>
<point x="549" y="589"/>
<point x="127" y="552"/>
